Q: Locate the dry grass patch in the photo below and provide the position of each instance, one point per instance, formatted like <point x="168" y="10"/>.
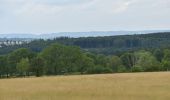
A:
<point x="129" y="86"/>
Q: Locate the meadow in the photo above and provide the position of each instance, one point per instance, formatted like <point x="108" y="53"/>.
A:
<point x="125" y="86"/>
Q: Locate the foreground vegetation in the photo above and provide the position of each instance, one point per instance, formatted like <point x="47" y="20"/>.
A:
<point x="128" y="86"/>
<point x="59" y="59"/>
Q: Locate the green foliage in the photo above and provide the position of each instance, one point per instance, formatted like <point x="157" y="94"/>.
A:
<point x="99" y="70"/>
<point x="159" y="54"/>
<point x="166" y="54"/>
<point x="65" y="59"/>
<point x="16" y="56"/>
<point x="121" y="69"/>
<point x="58" y="59"/>
<point x="128" y="60"/>
<point x="137" y="69"/>
<point x="146" y="61"/>
<point x="38" y="66"/>
<point x="166" y="60"/>
<point x="23" y="66"/>
<point x="84" y="64"/>
<point x="107" y="45"/>
<point x="115" y="63"/>
<point x="3" y="66"/>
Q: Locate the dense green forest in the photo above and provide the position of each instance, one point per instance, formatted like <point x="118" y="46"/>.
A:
<point x="102" y="45"/>
<point x="63" y="56"/>
<point x="58" y="59"/>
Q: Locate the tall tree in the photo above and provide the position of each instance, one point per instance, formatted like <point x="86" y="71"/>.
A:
<point x="166" y="60"/>
<point x="16" y="56"/>
<point x="23" y="66"/>
<point x="146" y="61"/>
<point x="38" y="66"/>
<point x="85" y="63"/>
<point x="3" y="66"/>
<point x="128" y="60"/>
<point x="115" y="63"/>
<point x="159" y="54"/>
<point x="62" y="59"/>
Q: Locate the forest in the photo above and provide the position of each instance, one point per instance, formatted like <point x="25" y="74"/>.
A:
<point x="67" y="56"/>
<point x="108" y="45"/>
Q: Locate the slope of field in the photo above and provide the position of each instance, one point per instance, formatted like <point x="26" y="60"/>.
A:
<point x="130" y="86"/>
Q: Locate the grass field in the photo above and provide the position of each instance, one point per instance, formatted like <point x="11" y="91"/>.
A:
<point x="128" y="86"/>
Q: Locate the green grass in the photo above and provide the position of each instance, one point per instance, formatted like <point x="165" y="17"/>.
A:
<point x="128" y="86"/>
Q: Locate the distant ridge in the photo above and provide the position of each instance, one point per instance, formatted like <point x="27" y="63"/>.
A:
<point x="79" y="34"/>
<point x="101" y="45"/>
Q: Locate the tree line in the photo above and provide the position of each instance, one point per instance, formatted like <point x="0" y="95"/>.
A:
<point x="107" y="45"/>
<point x="58" y="59"/>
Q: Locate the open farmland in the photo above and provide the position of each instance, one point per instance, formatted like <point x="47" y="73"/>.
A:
<point x="128" y="86"/>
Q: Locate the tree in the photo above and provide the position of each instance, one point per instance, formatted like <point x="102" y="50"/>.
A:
<point x="53" y="55"/>
<point x="102" y="60"/>
<point x="23" y="66"/>
<point x="166" y="60"/>
<point x="62" y="59"/>
<point x="16" y="56"/>
<point x="158" y="54"/>
<point x="38" y="66"/>
<point x="166" y="54"/>
<point x="146" y="61"/>
<point x="165" y="65"/>
<point x="114" y="63"/>
<point x="128" y="60"/>
<point x="85" y="63"/>
<point x="3" y="66"/>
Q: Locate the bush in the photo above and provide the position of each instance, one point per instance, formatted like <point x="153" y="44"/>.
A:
<point x="99" y="70"/>
<point x="137" y="69"/>
<point x="121" y="69"/>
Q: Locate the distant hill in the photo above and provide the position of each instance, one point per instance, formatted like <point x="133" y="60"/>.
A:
<point x="103" y="44"/>
<point x="78" y="34"/>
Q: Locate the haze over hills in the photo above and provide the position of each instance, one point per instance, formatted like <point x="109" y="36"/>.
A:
<point x="78" y="34"/>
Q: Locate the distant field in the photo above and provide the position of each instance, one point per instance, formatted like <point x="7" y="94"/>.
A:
<point x="130" y="86"/>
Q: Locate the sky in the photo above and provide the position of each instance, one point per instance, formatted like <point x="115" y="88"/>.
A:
<point x="50" y="16"/>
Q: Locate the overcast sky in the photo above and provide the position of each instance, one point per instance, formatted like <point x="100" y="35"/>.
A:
<point x="48" y="16"/>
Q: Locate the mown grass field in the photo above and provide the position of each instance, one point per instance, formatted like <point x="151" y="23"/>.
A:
<point x="128" y="86"/>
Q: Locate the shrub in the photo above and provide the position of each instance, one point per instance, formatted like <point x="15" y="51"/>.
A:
<point x="137" y="69"/>
<point x="99" y="70"/>
<point x="121" y="69"/>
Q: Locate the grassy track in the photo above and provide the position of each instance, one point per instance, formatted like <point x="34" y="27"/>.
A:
<point x="134" y="86"/>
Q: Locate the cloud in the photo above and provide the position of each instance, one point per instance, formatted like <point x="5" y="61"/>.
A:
<point x="56" y="6"/>
<point x="82" y="15"/>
